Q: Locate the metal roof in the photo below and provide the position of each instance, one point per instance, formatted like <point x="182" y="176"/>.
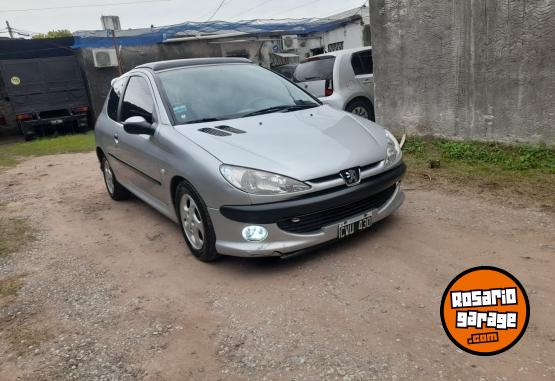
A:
<point x="214" y="29"/>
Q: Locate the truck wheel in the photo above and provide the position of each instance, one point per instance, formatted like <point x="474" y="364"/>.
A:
<point x="116" y="191"/>
<point x="82" y="126"/>
<point x="27" y="133"/>
<point x="195" y="223"/>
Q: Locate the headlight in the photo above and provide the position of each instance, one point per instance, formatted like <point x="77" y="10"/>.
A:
<point x="393" y="152"/>
<point x="259" y="182"/>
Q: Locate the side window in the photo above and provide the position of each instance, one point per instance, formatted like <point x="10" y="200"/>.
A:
<point x="113" y="99"/>
<point x="137" y="100"/>
<point x="362" y="62"/>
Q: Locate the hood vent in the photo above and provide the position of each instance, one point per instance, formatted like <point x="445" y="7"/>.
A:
<point x="213" y="131"/>
<point x="221" y="131"/>
<point x="230" y="129"/>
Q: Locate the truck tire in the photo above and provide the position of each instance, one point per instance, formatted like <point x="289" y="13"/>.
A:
<point x="28" y="133"/>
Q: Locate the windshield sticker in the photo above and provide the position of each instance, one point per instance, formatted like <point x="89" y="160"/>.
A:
<point x="179" y="109"/>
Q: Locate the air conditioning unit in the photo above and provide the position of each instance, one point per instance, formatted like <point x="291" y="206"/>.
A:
<point x="105" y="58"/>
<point x="290" y="42"/>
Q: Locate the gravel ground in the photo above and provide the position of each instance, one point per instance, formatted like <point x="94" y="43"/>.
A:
<point x="109" y="292"/>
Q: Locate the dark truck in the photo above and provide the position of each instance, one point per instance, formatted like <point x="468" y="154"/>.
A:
<point x="47" y="94"/>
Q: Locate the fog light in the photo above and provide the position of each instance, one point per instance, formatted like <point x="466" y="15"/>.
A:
<point x="255" y="233"/>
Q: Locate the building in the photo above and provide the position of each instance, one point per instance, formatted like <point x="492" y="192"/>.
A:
<point x="268" y="43"/>
<point x="353" y="33"/>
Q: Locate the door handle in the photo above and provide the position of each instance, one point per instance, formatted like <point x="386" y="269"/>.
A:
<point x="116" y="138"/>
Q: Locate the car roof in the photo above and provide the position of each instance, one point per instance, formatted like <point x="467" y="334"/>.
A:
<point x="287" y="65"/>
<point x="338" y="53"/>
<point x="171" y="64"/>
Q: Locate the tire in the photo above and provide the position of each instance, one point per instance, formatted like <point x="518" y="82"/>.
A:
<point x="28" y="134"/>
<point x="362" y="108"/>
<point x="116" y="191"/>
<point x="195" y="223"/>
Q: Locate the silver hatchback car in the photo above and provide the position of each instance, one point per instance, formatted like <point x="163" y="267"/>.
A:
<point x="246" y="162"/>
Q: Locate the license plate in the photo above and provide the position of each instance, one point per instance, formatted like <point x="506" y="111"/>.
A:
<point x="354" y="225"/>
<point x="56" y="121"/>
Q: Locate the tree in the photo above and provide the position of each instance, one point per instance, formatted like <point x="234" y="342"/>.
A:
<point x="53" y="34"/>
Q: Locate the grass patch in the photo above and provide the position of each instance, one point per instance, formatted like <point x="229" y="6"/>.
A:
<point x="9" y="288"/>
<point x="24" y="340"/>
<point x="14" y="234"/>
<point x="10" y="154"/>
<point x="519" y="174"/>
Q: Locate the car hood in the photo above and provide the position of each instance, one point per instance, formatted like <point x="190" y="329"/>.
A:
<point x="304" y="145"/>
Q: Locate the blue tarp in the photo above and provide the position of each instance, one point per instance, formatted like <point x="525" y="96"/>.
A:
<point x="100" y="39"/>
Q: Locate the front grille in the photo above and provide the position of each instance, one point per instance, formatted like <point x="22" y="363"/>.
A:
<point x="313" y="222"/>
<point x="336" y="176"/>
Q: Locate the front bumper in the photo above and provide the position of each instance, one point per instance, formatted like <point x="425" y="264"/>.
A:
<point x="229" y="222"/>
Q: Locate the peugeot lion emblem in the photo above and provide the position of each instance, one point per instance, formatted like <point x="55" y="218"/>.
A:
<point x="351" y="176"/>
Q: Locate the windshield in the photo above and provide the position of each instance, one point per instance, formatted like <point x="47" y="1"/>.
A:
<point x="317" y="69"/>
<point x="218" y="92"/>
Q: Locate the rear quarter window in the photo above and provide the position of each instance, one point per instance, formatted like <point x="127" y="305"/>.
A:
<point x="315" y="70"/>
<point x="113" y="99"/>
<point x="362" y="62"/>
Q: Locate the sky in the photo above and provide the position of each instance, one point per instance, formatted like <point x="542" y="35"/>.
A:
<point x="24" y="15"/>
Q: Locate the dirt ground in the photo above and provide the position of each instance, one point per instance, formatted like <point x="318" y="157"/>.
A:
<point x="110" y="292"/>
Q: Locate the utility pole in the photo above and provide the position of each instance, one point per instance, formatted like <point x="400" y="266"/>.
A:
<point x="10" y="31"/>
<point x="120" y="70"/>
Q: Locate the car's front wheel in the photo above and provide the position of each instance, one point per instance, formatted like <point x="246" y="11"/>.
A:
<point x="195" y="223"/>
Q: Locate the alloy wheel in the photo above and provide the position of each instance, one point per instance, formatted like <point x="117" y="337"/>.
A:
<point x="108" y="177"/>
<point x="191" y="221"/>
<point x="360" y="111"/>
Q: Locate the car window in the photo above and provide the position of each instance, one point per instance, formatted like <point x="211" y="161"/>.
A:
<point x="315" y="69"/>
<point x="227" y="91"/>
<point x="362" y="62"/>
<point x="114" y="97"/>
<point x="138" y="100"/>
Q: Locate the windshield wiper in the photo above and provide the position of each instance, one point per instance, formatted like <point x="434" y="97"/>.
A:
<point x="285" y="108"/>
<point x="205" y="120"/>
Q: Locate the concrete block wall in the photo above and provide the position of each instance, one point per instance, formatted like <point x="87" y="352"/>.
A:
<point x="473" y="69"/>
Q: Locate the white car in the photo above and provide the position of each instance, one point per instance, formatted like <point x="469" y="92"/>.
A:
<point x="343" y="79"/>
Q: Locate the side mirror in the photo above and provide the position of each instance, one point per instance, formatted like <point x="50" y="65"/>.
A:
<point x="137" y="125"/>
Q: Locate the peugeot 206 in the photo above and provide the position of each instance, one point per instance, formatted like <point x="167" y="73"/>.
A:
<point x="246" y="162"/>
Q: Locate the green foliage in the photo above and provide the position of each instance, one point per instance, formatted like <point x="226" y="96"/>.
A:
<point x="519" y="173"/>
<point x="53" y="34"/>
<point x="415" y="147"/>
<point x="516" y="157"/>
<point x="14" y="234"/>
<point x="10" y="153"/>
<point x="508" y="157"/>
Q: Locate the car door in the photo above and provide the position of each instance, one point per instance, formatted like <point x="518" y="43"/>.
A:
<point x="141" y="154"/>
<point x="109" y="128"/>
<point x="363" y="67"/>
